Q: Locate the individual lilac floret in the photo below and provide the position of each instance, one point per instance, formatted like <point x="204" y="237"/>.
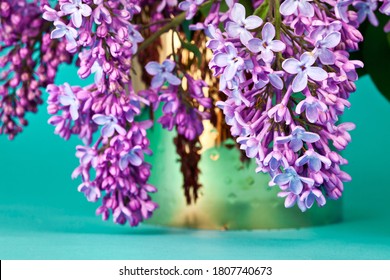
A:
<point x="311" y="195"/>
<point x="313" y="159"/>
<point x="267" y="45"/>
<point x="92" y="193"/>
<point x="303" y="69"/>
<point x="366" y="9"/>
<point x="230" y="61"/>
<point x="69" y="32"/>
<point x="294" y="181"/>
<point x="132" y="157"/>
<point x="87" y="156"/>
<point x="304" y="8"/>
<point x="110" y="125"/>
<point x="191" y="7"/>
<point x="341" y="9"/>
<point x="297" y="136"/>
<point x="274" y="160"/>
<point x="69" y="99"/>
<point x="312" y="106"/>
<point x="162" y="73"/>
<point x="240" y="26"/>
<point x="77" y="10"/>
<point x="326" y="56"/>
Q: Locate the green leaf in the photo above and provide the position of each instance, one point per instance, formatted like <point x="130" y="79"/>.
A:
<point x="262" y="11"/>
<point x="376" y="55"/>
<point x="194" y="49"/>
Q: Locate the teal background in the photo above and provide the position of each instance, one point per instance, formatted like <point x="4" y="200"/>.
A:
<point x="42" y="216"/>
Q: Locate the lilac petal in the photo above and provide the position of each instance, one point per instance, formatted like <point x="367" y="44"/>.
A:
<point x="119" y="129"/>
<point x="245" y="36"/>
<point x="310" y="200"/>
<point x="296" y="186"/>
<point x="253" y="22"/>
<point x="107" y="130"/>
<point x="268" y="32"/>
<point x="172" y="79"/>
<point x="100" y="119"/>
<point x="306" y="9"/>
<point x="157" y="81"/>
<point x="238" y="13"/>
<point x="277" y="46"/>
<point x="230" y="71"/>
<point x="57" y="33"/>
<point x="296" y="144"/>
<point x="283" y="139"/>
<point x="308" y="181"/>
<point x="68" y="8"/>
<point x="123" y="163"/>
<point x="315" y="164"/>
<point x="299" y="82"/>
<point x="184" y="6"/>
<point x="332" y="40"/>
<point x="307" y="59"/>
<point x="317" y="74"/>
<point x="290" y="200"/>
<point x="274" y="164"/>
<point x="169" y="65"/>
<point x="221" y="59"/>
<point x="288" y="7"/>
<point x="310" y="137"/>
<point x="312" y="113"/>
<point x="302" y="160"/>
<point x="74" y="113"/>
<point x="300" y="107"/>
<point x="348" y="126"/>
<point x="153" y="68"/>
<point x="233" y="29"/>
<point x="372" y="18"/>
<point x="282" y="179"/>
<point x="327" y="57"/>
<point x="276" y="81"/>
<point x="77" y="19"/>
<point x="291" y="65"/>
<point x="86" y="10"/>
<point x="66" y="100"/>
<point x="325" y="160"/>
<point x="255" y="45"/>
<point x="134" y="159"/>
<point x="267" y="55"/>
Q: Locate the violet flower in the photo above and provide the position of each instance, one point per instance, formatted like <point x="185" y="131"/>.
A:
<point x="304" y="8"/>
<point x="267" y="45"/>
<point x="69" y="99"/>
<point x="131" y="157"/>
<point x="297" y="137"/>
<point x="304" y="69"/>
<point x="294" y="181"/>
<point x="77" y="10"/>
<point x="110" y="125"/>
<point x="162" y="73"/>
<point x="312" y="107"/>
<point x="240" y="26"/>
<point x="191" y="7"/>
<point x="313" y="159"/>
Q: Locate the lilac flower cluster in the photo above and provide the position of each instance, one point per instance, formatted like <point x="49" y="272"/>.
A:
<point x="112" y="168"/>
<point x="285" y="73"/>
<point x="287" y="81"/>
<point x="28" y="59"/>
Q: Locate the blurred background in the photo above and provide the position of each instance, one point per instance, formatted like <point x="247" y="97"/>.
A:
<point x="42" y="215"/>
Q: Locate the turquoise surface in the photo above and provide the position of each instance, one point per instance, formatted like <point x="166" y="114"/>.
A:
<point x="42" y="216"/>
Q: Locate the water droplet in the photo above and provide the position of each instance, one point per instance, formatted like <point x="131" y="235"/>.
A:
<point x="214" y="156"/>
<point x="232" y="198"/>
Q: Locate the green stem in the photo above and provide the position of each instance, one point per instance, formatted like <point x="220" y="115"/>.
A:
<point x="278" y="19"/>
